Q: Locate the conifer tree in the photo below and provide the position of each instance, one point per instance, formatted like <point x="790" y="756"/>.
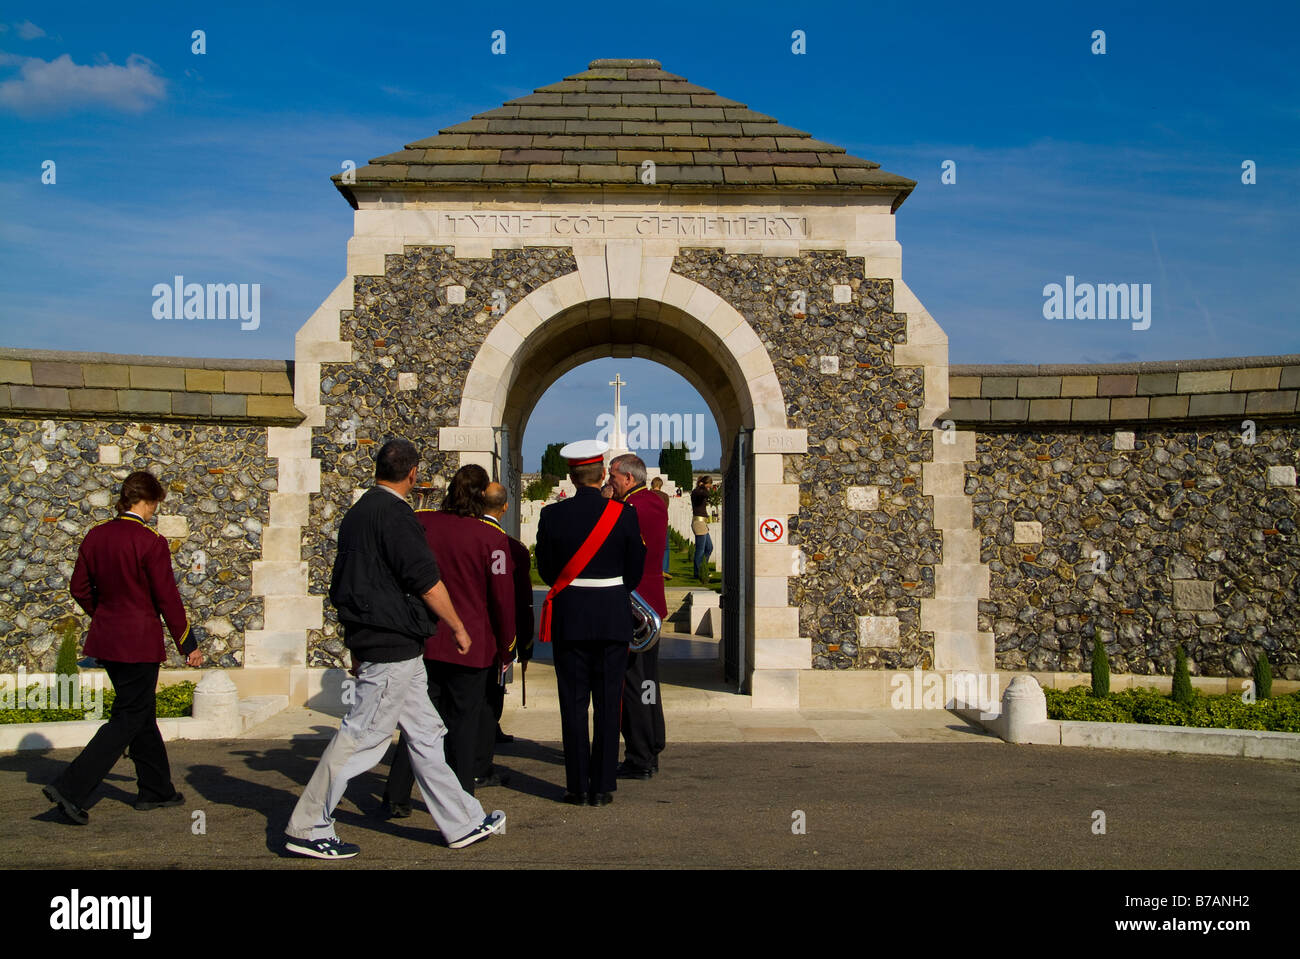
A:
<point x="1263" y="677"/>
<point x="1182" y="688"/>
<point x="1100" y="668"/>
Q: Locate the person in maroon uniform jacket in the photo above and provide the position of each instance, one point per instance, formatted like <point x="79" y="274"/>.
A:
<point x="643" y="711"/>
<point x="474" y="560"/>
<point x="124" y="580"/>
<point x="496" y="503"/>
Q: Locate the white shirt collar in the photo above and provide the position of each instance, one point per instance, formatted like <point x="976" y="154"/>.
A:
<point x="393" y="491"/>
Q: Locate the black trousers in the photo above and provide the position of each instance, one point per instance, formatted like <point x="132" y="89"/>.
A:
<point x="489" y="722"/>
<point x="132" y="723"/>
<point x="457" y="693"/>
<point x="590" y="673"/>
<point x="643" y="710"/>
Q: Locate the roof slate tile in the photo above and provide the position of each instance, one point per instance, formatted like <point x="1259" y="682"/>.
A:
<point x="553" y="171"/>
<point x="606" y="173"/>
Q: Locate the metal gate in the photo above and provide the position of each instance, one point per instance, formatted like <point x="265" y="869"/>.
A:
<point x="735" y="574"/>
<point x="508" y="475"/>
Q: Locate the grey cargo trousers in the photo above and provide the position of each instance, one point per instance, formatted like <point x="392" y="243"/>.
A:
<point x="388" y="695"/>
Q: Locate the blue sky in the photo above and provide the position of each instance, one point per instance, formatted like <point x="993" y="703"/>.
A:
<point x="1124" y="167"/>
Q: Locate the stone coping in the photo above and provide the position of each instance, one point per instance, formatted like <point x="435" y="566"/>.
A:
<point x="1144" y="366"/>
<point x="1216" y="390"/>
<point x="131" y="359"/>
<point x="51" y="383"/>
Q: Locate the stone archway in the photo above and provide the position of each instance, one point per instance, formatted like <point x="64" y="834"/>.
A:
<point x="757" y="261"/>
<point x="628" y="301"/>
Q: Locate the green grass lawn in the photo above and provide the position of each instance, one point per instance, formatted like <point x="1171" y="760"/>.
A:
<point x="680" y="567"/>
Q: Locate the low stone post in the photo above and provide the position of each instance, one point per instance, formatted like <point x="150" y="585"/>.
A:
<point x="1023" y="707"/>
<point x="216" y="701"/>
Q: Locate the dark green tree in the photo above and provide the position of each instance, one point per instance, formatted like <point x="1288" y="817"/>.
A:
<point x="1182" y="691"/>
<point x="553" y="464"/>
<point x="540" y="488"/>
<point x="675" y="463"/>
<point x="1263" y="677"/>
<point x="66" y="664"/>
<point x="1100" y="668"/>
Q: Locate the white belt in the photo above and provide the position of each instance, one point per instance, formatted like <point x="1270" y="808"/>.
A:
<point x="607" y="581"/>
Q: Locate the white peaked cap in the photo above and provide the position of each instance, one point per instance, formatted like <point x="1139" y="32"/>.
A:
<point x="584" y="451"/>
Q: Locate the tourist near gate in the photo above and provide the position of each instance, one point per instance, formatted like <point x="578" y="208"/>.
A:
<point x="883" y="511"/>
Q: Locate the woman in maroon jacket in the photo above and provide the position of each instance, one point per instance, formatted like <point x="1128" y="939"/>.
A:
<point x="474" y="561"/>
<point x="124" y="580"/>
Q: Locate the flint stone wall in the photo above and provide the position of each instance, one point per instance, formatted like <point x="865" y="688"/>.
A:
<point x="57" y="489"/>
<point x="1198" y="549"/>
<point x="862" y="431"/>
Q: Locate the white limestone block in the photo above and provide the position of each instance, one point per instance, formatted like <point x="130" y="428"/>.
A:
<point x="842" y="293"/>
<point x="1029" y="532"/>
<point x="1281" y="476"/>
<point x="173" y="527"/>
<point x="110" y="455"/>
<point x="1124" y="440"/>
<point x="863" y="497"/>
<point x="830" y="364"/>
<point x="878" y="631"/>
<point x="455" y="294"/>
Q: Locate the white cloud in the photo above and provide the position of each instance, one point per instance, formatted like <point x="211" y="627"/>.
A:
<point x="28" y="30"/>
<point x="52" y="86"/>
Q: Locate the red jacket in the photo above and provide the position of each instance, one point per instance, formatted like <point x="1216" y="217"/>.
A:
<point x="124" y="580"/>
<point x="524" y="624"/>
<point x="652" y="516"/>
<point x="474" y="561"/>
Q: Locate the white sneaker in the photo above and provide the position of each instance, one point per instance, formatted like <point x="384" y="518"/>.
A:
<point x="494" y="823"/>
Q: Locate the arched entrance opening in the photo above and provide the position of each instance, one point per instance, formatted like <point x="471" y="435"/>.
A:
<point x="658" y="407"/>
<point x="720" y="356"/>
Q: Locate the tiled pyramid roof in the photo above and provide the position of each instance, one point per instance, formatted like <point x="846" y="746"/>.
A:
<point x="595" y="129"/>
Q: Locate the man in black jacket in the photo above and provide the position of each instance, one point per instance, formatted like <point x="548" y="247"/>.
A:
<point x="388" y="594"/>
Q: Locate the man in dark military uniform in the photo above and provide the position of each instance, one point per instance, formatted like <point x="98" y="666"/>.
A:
<point x="590" y="618"/>
<point x="643" y="710"/>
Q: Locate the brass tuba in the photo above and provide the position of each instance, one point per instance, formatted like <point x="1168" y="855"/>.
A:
<point x="646" y="624"/>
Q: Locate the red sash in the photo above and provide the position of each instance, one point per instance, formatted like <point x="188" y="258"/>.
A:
<point x="594" y="541"/>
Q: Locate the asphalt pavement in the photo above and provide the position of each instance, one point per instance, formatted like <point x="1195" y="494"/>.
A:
<point x="783" y="805"/>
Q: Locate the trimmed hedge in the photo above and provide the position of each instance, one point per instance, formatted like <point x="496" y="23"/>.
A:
<point x="1144" y="705"/>
<point x="172" y="701"/>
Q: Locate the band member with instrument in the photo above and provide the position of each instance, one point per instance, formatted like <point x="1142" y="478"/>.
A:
<point x="589" y="551"/>
<point x="643" y="710"/>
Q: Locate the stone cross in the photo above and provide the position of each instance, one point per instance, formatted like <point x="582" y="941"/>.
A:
<point x="619" y="440"/>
